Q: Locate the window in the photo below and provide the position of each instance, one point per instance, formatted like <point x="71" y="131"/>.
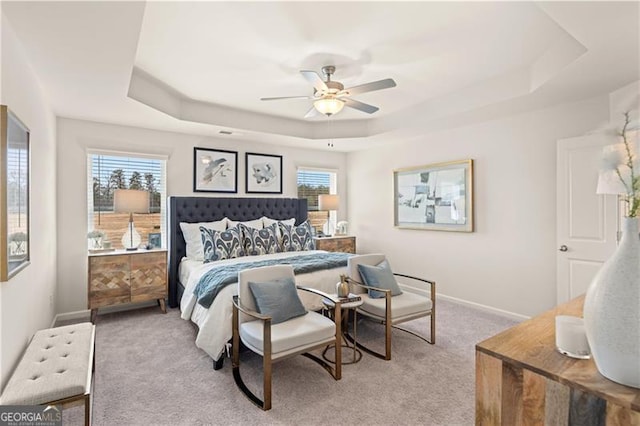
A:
<point x="311" y="183"/>
<point x="110" y="171"/>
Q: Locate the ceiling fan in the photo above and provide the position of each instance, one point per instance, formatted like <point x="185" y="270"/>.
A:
<point x="330" y="96"/>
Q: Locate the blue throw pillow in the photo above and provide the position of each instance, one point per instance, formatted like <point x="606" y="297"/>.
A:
<point x="260" y="241"/>
<point x="278" y="298"/>
<point x="379" y="276"/>
<point x="297" y="238"/>
<point x="219" y="245"/>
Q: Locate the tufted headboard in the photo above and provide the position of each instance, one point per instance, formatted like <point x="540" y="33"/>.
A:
<point x="208" y="209"/>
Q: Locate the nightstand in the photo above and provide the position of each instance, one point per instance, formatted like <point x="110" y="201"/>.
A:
<point x="343" y="243"/>
<point x="127" y="276"/>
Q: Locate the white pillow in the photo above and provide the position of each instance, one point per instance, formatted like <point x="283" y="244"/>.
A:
<point x="267" y="221"/>
<point x="191" y="232"/>
<point x="255" y="224"/>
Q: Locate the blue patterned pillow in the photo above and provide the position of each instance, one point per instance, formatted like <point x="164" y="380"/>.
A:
<point x="260" y="241"/>
<point x="297" y="238"/>
<point x="220" y="245"/>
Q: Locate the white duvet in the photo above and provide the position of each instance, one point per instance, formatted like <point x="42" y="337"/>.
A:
<point x="214" y="323"/>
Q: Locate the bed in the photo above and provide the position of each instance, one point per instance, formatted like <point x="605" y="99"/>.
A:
<point x="214" y="323"/>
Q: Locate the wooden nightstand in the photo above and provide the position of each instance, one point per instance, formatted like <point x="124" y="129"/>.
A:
<point x="341" y="243"/>
<point x="127" y="276"/>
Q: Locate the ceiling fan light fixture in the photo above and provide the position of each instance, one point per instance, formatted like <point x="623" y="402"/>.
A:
<point x="328" y="106"/>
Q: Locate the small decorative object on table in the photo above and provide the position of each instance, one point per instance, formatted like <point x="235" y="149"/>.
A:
<point x="571" y="339"/>
<point x="155" y="240"/>
<point x="342" y="288"/>
<point x="342" y="227"/>
<point x="95" y="238"/>
<point x="611" y="313"/>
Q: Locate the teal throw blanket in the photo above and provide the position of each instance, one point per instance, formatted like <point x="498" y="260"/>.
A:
<point x="214" y="280"/>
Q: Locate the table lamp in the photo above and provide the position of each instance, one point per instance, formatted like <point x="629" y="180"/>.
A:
<point x="329" y="202"/>
<point x="131" y="201"/>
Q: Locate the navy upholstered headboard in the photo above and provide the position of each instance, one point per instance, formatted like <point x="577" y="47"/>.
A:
<point x="207" y="209"/>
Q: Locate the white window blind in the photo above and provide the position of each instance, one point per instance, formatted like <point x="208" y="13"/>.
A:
<point x="107" y="172"/>
<point x="314" y="182"/>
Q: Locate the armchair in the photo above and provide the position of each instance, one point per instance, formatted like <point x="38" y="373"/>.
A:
<point x="272" y="335"/>
<point x="391" y="309"/>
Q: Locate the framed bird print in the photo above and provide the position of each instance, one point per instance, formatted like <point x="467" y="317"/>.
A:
<point x="215" y="170"/>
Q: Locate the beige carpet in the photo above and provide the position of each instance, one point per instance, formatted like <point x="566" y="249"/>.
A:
<point x="149" y="371"/>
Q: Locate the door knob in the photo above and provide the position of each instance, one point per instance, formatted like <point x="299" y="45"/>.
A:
<point x="563" y="248"/>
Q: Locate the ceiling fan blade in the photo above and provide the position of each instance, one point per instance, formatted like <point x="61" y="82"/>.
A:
<point x="315" y="80"/>
<point x="285" y="97"/>
<point x="311" y="113"/>
<point x="360" y="106"/>
<point x="369" y="87"/>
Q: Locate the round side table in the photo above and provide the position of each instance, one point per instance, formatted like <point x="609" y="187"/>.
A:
<point x="347" y="307"/>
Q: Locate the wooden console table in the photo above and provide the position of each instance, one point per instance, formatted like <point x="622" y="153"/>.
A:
<point x="521" y="379"/>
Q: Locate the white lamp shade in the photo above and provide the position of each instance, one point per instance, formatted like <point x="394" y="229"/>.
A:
<point x="130" y="201"/>
<point x="328" y="106"/>
<point x="609" y="182"/>
<point x="328" y="202"/>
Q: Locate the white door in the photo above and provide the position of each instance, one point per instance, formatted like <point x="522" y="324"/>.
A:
<point x="587" y="223"/>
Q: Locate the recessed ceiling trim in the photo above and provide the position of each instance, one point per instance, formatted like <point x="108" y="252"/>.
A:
<point x="156" y="94"/>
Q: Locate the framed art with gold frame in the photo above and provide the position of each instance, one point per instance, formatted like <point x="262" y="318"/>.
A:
<point x="14" y="194"/>
<point x="434" y="197"/>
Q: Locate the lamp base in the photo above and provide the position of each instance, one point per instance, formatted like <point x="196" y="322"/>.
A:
<point x="329" y="228"/>
<point x="131" y="238"/>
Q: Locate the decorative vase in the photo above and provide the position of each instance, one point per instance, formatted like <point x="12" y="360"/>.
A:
<point x="612" y="311"/>
<point x="96" y="242"/>
<point x="342" y="288"/>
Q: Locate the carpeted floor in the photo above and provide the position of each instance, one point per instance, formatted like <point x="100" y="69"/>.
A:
<point x="149" y="371"/>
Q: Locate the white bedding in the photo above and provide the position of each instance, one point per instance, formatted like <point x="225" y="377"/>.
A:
<point x="214" y="323"/>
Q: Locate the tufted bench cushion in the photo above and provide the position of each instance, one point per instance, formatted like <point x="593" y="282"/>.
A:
<point x="56" y="365"/>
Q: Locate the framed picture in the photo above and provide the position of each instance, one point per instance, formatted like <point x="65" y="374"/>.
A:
<point x="215" y="170"/>
<point x="14" y="194"/>
<point x="155" y="239"/>
<point x="437" y="197"/>
<point x="264" y="173"/>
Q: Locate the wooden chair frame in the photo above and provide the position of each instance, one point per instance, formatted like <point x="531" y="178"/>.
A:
<point x="265" y="403"/>
<point x="389" y="323"/>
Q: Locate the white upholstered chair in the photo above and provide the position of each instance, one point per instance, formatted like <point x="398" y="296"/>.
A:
<point x="275" y="341"/>
<point x="392" y="310"/>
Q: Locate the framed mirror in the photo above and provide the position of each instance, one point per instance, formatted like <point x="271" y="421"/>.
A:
<point x="14" y="194"/>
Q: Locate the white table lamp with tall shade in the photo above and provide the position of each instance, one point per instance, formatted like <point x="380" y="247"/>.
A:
<point x="329" y="202"/>
<point x="131" y="201"/>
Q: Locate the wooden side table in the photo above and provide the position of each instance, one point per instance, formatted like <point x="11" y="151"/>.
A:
<point x="342" y="243"/>
<point x="522" y="379"/>
<point x="126" y="276"/>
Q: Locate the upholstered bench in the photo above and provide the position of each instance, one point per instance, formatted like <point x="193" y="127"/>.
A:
<point x="56" y="369"/>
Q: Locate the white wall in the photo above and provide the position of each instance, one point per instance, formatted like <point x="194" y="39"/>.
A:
<point x="26" y="300"/>
<point x="75" y="137"/>
<point x="509" y="262"/>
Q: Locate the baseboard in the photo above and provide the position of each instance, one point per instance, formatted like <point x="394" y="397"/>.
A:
<point x="86" y="314"/>
<point x="67" y="316"/>
<point x="501" y="312"/>
<point x="491" y="309"/>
